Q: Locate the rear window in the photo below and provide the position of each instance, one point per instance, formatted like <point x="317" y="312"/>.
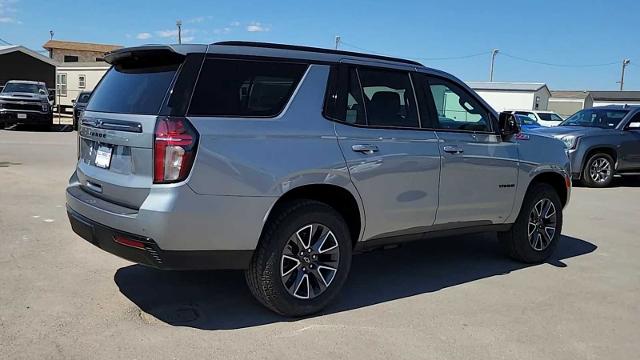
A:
<point x="244" y="88"/>
<point x="133" y="90"/>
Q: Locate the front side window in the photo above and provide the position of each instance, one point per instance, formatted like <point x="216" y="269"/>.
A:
<point x="242" y="88"/>
<point x="456" y="108"/>
<point x="602" y="118"/>
<point x="388" y="98"/>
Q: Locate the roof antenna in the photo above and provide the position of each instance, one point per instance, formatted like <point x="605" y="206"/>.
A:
<point x="51" y="33"/>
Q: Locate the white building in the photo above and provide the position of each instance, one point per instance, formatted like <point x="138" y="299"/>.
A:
<point x="513" y="95"/>
<point x="603" y="98"/>
<point x="73" y="78"/>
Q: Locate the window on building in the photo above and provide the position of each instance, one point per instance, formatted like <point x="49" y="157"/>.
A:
<point x="82" y="81"/>
<point x="99" y="59"/>
<point x="70" y="58"/>
<point x="61" y="84"/>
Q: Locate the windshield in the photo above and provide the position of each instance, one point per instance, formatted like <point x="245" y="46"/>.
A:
<point x="138" y="90"/>
<point x="24" y="88"/>
<point x="549" y="117"/>
<point x="602" y="118"/>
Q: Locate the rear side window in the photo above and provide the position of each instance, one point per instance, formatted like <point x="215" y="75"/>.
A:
<point x="132" y="89"/>
<point x="388" y="98"/>
<point x="243" y="88"/>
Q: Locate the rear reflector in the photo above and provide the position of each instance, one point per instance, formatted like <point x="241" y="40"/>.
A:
<point x="174" y="150"/>
<point x="128" y="242"/>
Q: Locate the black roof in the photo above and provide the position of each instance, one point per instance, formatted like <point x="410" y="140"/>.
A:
<point x="315" y="50"/>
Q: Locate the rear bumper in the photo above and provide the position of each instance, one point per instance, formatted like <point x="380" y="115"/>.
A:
<point x="151" y="255"/>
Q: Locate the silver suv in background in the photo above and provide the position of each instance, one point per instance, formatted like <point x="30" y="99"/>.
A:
<point x="601" y="142"/>
<point x="285" y="160"/>
<point x="25" y="102"/>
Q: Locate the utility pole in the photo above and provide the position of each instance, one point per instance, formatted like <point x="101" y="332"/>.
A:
<point x="51" y="33"/>
<point x="337" y="41"/>
<point x="625" y="62"/>
<point x="494" y="52"/>
<point x="179" y="25"/>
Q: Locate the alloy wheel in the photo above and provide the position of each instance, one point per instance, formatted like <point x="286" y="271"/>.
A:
<point x="309" y="261"/>
<point x="542" y="224"/>
<point x="600" y="170"/>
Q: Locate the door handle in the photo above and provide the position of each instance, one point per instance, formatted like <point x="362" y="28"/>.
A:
<point x="365" y="149"/>
<point x="452" y="149"/>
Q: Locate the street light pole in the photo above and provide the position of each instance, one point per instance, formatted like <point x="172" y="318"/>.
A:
<point x="625" y="62"/>
<point x="179" y="25"/>
<point x="494" y="52"/>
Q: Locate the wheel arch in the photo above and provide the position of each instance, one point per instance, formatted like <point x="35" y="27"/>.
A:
<point x="560" y="182"/>
<point x="606" y="149"/>
<point x="339" y="198"/>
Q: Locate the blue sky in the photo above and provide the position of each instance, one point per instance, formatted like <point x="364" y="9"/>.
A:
<point x="571" y="33"/>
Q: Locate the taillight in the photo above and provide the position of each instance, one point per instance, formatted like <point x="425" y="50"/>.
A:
<point x="174" y="149"/>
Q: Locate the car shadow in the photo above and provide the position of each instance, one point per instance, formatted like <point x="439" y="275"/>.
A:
<point x="619" y="181"/>
<point x="211" y="300"/>
<point x="36" y="128"/>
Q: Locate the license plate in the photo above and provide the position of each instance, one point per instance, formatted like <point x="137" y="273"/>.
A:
<point x="103" y="156"/>
<point x="22" y="116"/>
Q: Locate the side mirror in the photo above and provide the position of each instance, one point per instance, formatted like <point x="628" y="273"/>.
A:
<point x="508" y="125"/>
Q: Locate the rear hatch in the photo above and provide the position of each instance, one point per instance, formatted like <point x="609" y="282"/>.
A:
<point x="116" y="136"/>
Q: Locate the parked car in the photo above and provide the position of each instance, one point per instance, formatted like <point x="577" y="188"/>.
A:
<point x="285" y="160"/>
<point x="25" y="102"/>
<point x="543" y="118"/>
<point x="601" y="142"/>
<point x="526" y="123"/>
<point x="79" y="105"/>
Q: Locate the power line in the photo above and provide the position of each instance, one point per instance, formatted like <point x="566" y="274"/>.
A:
<point x="5" y="41"/>
<point x="342" y="42"/>
<point x="557" y="65"/>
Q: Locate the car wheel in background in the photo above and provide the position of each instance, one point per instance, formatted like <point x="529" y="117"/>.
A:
<point x="536" y="232"/>
<point x="302" y="260"/>
<point x="598" y="171"/>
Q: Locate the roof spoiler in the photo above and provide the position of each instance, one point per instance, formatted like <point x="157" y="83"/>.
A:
<point x="166" y="53"/>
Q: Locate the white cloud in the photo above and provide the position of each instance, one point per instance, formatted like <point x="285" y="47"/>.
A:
<point x="235" y="23"/>
<point x="188" y="38"/>
<point x="199" y="19"/>
<point x="7" y="10"/>
<point x="167" y="33"/>
<point x="144" y="36"/>
<point x="257" y="27"/>
<point x="225" y="30"/>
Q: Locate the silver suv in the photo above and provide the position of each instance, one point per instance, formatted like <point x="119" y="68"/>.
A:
<point x="286" y="160"/>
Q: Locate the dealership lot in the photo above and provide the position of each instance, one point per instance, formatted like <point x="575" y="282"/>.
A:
<point x="454" y="298"/>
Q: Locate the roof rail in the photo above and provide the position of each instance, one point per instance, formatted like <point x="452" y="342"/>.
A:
<point x="314" y="49"/>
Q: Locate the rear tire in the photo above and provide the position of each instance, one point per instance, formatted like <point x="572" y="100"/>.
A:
<point x="281" y="260"/>
<point x="598" y="171"/>
<point x="536" y="233"/>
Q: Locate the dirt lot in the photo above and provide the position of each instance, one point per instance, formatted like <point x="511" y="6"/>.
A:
<point x="453" y="298"/>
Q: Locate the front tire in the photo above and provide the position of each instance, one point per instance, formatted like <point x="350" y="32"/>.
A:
<point x="302" y="260"/>
<point x="598" y="171"/>
<point x="536" y="233"/>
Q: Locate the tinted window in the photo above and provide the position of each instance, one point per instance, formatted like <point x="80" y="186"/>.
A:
<point x="83" y="98"/>
<point x="456" y="108"/>
<point x="133" y="90"/>
<point x="549" y="117"/>
<point x="603" y="118"/>
<point x="388" y="98"/>
<point x="355" y="105"/>
<point x="244" y="88"/>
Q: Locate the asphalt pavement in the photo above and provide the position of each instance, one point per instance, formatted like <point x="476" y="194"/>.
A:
<point x="450" y="298"/>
